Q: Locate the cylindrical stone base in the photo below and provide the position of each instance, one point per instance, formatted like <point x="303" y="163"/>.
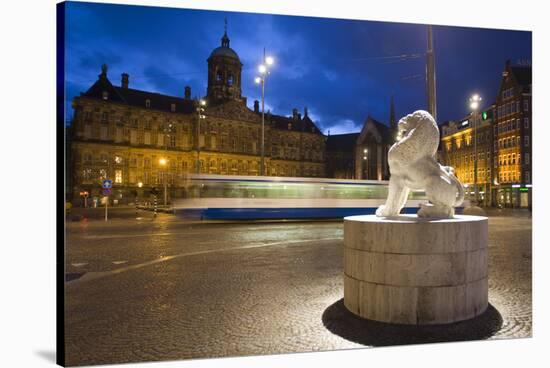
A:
<point x="410" y="270"/>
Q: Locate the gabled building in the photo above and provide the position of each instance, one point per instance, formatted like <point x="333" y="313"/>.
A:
<point x="512" y="145"/>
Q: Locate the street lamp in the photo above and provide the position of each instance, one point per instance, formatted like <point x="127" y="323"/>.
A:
<point x="474" y="105"/>
<point x="163" y="162"/>
<point x="365" y="157"/>
<point x="264" y="71"/>
<point x="200" y="111"/>
<point x="167" y="131"/>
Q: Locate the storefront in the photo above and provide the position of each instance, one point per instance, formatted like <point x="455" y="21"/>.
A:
<point x="513" y="196"/>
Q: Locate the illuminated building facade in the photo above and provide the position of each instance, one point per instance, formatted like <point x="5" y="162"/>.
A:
<point x="504" y="144"/>
<point x="513" y="139"/>
<point x="142" y="139"/>
<point x="458" y="151"/>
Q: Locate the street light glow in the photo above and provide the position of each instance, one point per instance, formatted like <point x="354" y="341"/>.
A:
<point x="269" y="60"/>
<point x="140" y="184"/>
<point x="262" y="68"/>
<point x="162" y="161"/>
<point x="474" y="101"/>
<point x="258" y="80"/>
<point x="203" y="102"/>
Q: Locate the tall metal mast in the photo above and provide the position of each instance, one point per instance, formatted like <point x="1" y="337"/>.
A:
<point x="430" y="76"/>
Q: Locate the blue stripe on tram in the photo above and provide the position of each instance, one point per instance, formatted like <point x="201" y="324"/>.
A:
<point x="282" y="213"/>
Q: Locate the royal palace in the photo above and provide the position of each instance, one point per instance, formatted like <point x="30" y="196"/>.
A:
<point x="142" y="140"/>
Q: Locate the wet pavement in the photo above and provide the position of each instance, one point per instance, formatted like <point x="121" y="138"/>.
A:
<point x="145" y="289"/>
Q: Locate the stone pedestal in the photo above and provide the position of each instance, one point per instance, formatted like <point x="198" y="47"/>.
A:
<point x="409" y="270"/>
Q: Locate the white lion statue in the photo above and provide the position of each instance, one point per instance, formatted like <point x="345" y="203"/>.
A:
<point x="413" y="166"/>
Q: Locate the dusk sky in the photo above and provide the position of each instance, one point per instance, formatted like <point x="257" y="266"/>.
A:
<point x="342" y="70"/>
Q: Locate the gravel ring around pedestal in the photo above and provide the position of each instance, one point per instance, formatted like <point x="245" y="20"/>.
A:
<point x="340" y="321"/>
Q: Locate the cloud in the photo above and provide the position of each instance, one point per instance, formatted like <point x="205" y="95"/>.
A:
<point x="342" y="126"/>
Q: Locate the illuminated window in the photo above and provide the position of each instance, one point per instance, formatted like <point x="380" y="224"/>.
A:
<point x="147" y="103"/>
<point x="105" y="95"/>
<point x="118" y="176"/>
<point x="173" y="107"/>
<point x="230" y="80"/>
<point x="219" y="76"/>
<point x="118" y="159"/>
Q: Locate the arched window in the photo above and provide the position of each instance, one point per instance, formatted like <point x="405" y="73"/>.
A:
<point x="230" y="80"/>
<point x="219" y="76"/>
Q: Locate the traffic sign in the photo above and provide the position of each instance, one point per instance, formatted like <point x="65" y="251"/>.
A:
<point x="107" y="184"/>
<point x="107" y="191"/>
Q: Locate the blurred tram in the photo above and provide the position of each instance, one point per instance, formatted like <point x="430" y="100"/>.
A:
<point x="229" y="197"/>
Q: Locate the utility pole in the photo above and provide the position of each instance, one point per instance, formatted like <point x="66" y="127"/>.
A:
<point x="430" y="76"/>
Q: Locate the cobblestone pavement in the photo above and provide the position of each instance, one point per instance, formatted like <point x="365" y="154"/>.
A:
<point x="163" y="289"/>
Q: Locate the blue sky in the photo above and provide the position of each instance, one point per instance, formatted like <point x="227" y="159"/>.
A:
<point x="342" y="70"/>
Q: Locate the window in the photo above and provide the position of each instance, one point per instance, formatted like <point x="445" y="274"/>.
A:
<point x="105" y="95"/>
<point x="219" y="76"/>
<point x="173" y="107"/>
<point x="230" y="80"/>
<point x="135" y="123"/>
<point x="118" y="160"/>
<point x="104" y="117"/>
<point x="172" y="140"/>
<point x="118" y="176"/>
<point x="86" y="174"/>
<point x="527" y="159"/>
<point x="147" y="103"/>
<point x="147" y="124"/>
<point x="513" y="158"/>
<point x="526" y="140"/>
<point x="495" y="129"/>
<point x="525" y="105"/>
<point x="527" y="176"/>
<point x="526" y="122"/>
<point x="519" y="141"/>
<point x="495" y="144"/>
<point x="289" y="126"/>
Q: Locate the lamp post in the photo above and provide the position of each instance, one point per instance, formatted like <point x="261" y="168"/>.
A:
<point x="366" y="163"/>
<point x="264" y="71"/>
<point x="200" y="111"/>
<point x="167" y="132"/>
<point x="163" y="161"/>
<point x="474" y="105"/>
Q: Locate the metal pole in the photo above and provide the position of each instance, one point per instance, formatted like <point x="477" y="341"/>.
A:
<point x="106" y="206"/>
<point x="262" y="163"/>
<point x="199" y="138"/>
<point x="475" y="158"/>
<point x="430" y="76"/>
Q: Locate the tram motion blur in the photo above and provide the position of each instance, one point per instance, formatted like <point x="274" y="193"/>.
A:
<point x="229" y="197"/>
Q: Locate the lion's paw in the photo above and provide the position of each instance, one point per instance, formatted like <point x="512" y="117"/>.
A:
<point x="383" y="211"/>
